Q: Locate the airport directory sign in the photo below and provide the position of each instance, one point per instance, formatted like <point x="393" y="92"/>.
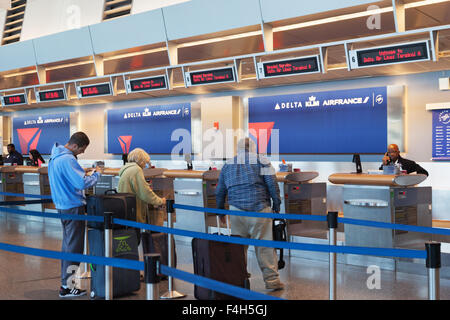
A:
<point x="279" y="68"/>
<point x="96" y="90"/>
<point x="14" y="100"/>
<point x="51" y="95"/>
<point x="386" y="55"/>
<point x="210" y="76"/>
<point x="146" y="84"/>
<point x="441" y="134"/>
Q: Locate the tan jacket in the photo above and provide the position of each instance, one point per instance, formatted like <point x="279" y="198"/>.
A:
<point x="132" y="181"/>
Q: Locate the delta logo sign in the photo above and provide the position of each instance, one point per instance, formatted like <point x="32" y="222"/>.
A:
<point x="125" y="143"/>
<point x="28" y="139"/>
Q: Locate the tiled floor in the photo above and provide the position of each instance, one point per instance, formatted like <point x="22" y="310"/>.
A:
<point x="35" y="278"/>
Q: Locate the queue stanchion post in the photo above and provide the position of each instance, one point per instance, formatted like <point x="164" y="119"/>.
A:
<point x="151" y="278"/>
<point x="332" y="228"/>
<point x="171" y="293"/>
<point x="108" y="254"/>
<point x="433" y="264"/>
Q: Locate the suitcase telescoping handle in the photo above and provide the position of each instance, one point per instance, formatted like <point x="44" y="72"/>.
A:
<point x="218" y="225"/>
<point x="110" y="191"/>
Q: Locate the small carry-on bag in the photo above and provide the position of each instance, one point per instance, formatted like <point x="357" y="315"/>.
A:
<point x="279" y="234"/>
<point x="221" y="261"/>
<point x="158" y="242"/>
<point x="122" y="205"/>
<point x="125" y="246"/>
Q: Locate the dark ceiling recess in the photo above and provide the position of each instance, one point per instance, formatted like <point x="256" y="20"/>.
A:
<point x="14" y="21"/>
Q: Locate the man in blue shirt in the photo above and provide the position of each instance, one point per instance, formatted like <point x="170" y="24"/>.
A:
<point x="67" y="182"/>
<point x="249" y="181"/>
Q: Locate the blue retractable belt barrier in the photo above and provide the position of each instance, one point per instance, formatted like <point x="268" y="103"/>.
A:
<point x="216" y="285"/>
<point x="38" y="196"/>
<point x="288" y="216"/>
<point x="115" y="262"/>
<point x="53" y="215"/>
<point x="389" y="252"/>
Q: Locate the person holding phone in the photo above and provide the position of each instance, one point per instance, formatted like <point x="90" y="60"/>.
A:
<point x="392" y="157"/>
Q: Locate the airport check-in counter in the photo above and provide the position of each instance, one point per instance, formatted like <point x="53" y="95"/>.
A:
<point x="44" y="186"/>
<point x="302" y="196"/>
<point x="163" y="187"/>
<point x="12" y="181"/>
<point x="384" y="198"/>
<point x="195" y="188"/>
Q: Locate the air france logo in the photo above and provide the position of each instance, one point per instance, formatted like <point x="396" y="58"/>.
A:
<point x="186" y="111"/>
<point x="346" y="101"/>
<point x="444" y="117"/>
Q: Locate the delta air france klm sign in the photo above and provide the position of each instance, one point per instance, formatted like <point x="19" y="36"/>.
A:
<point x="344" y="121"/>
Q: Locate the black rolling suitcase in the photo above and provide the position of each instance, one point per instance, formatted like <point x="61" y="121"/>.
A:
<point x="221" y="261"/>
<point x="122" y="205"/>
<point x="125" y="246"/>
<point x="158" y="242"/>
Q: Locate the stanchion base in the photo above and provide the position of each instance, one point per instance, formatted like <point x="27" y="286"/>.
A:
<point x="172" y="295"/>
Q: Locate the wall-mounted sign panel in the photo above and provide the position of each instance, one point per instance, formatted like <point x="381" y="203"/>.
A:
<point x="211" y="76"/>
<point x="441" y="134"/>
<point x="96" y="90"/>
<point x="146" y="84"/>
<point x="40" y="132"/>
<point x="288" y="67"/>
<point x="51" y="95"/>
<point x="14" y="100"/>
<point x="156" y="129"/>
<point x="399" y="53"/>
<point x="330" y="122"/>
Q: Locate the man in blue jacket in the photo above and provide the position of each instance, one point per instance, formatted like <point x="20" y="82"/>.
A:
<point x="67" y="182"/>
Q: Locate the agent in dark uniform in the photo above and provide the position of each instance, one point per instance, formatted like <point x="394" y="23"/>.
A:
<point x="392" y="156"/>
<point x="13" y="156"/>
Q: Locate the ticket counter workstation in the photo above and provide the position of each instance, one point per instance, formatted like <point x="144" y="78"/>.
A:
<point x="12" y="182"/>
<point x="301" y="195"/>
<point x="195" y="188"/>
<point x="163" y="187"/>
<point x="385" y="198"/>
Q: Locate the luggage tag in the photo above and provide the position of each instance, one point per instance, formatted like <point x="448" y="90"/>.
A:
<point x="218" y="225"/>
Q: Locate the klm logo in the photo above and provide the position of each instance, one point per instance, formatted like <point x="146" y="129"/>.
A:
<point x="147" y="113"/>
<point x="312" y="102"/>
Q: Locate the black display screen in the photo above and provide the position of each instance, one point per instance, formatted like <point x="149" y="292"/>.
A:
<point x="14" y="99"/>
<point x="95" y="90"/>
<point x="148" y="84"/>
<point x="52" y="95"/>
<point x="212" y="76"/>
<point x="290" y="67"/>
<point x="393" y="54"/>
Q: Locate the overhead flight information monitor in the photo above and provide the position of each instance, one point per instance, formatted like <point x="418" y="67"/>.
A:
<point x="96" y="90"/>
<point x="210" y="76"/>
<point x="290" y="67"/>
<point x="401" y="53"/>
<point x="14" y="100"/>
<point x="146" y="84"/>
<point x="51" y="95"/>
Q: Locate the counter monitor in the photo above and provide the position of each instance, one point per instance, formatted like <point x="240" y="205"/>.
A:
<point x="288" y="67"/>
<point x="96" y="90"/>
<point x="210" y="76"/>
<point x="51" y="95"/>
<point x="402" y="53"/>
<point x="146" y="84"/>
<point x="15" y="99"/>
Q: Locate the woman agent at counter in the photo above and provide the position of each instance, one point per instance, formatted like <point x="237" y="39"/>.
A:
<point x="132" y="180"/>
<point x="36" y="158"/>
